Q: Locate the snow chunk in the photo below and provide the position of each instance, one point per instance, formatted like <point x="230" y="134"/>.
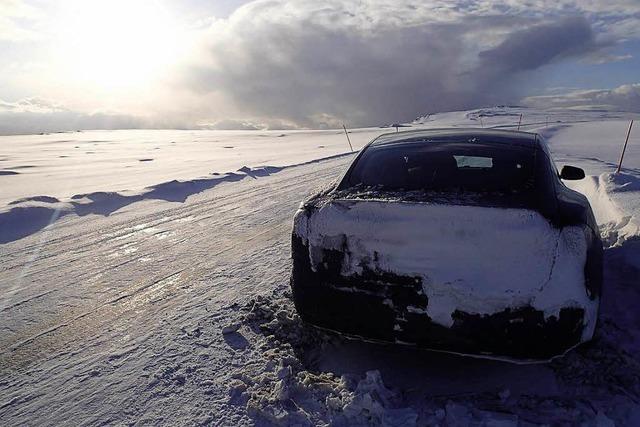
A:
<point x="290" y="393"/>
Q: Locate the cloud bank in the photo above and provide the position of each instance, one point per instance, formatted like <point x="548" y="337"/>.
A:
<point x="622" y="98"/>
<point x="35" y="115"/>
<point x="319" y="63"/>
<point x="17" y="19"/>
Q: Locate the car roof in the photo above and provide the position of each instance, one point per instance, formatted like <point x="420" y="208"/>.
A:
<point x="459" y="135"/>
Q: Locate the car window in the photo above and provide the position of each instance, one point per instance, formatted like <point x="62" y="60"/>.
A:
<point x="445" y="167"/>
<point x="476" y="162"/>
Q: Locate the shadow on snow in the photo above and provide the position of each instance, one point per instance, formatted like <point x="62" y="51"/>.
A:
<point x="32" y="214"/>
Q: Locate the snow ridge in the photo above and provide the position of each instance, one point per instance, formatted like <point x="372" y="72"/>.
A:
<point x="32" y="214"/>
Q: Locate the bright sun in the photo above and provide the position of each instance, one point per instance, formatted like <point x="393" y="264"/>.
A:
<point x="117" y="44"/>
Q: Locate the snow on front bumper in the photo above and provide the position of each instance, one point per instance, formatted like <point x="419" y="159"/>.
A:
<point x="472" y="280"/>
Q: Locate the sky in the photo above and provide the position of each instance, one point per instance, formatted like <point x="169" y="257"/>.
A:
<point x="237" y="64"/>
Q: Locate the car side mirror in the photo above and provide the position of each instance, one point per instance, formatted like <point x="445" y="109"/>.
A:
<point x="571" y="173"/>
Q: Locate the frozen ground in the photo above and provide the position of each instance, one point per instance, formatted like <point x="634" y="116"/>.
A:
<point x="114" y="313"/>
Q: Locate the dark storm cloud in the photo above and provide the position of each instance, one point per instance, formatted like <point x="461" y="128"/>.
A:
<point x="315" y="68"/>
<point x="534" y="47"/>
<point x="301" y="75"/>
<point x="500" y="70"/>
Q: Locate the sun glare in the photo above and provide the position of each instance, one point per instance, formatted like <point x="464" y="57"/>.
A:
<point x="117" y="44"/>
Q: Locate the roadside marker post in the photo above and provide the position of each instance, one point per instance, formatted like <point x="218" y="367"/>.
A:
<point x="520" y="121"/>
<point x="626" y="141"/>
<point x="348" y="139"/>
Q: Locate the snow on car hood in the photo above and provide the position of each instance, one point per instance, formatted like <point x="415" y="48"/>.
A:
<point x="474" y="259"/>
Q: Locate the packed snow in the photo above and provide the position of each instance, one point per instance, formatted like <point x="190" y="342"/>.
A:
<point x="139" y="291"/>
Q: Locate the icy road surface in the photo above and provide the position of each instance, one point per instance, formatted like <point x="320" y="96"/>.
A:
<point x="118" y="319"/>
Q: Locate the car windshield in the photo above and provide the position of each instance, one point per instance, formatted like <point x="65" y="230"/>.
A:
<point x="445" y="167"/>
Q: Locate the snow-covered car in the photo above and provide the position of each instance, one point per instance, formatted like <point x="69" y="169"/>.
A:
<point x="459" y="240"/>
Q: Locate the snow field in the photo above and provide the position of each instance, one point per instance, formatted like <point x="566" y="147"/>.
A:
<point x="115" y="314"/>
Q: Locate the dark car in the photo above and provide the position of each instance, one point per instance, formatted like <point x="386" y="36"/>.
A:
<point x="459" y="240"/>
